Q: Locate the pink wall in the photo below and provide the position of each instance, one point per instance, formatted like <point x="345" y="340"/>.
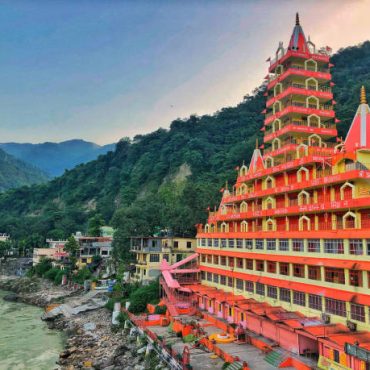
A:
<point x="270" y="330"/>
<point x="288" y="340"/>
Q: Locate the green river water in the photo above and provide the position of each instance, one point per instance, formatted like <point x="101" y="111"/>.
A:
<point x="25" y="341"/>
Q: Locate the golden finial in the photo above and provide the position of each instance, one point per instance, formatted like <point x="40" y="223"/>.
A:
<point x="257" y="143"/>
<point x="363" y="95"/>
<point x="227" y="185"/>
<point x="297" y="19"/>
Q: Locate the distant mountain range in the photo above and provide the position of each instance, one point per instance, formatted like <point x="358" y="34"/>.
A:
<point x="55" y="158"/>
<point x="16" y="173"/>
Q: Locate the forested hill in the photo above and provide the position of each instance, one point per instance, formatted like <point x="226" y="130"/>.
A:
<point x="167" y="178"/>
<point x="15" y="173"/>
<point x="54" y="158"/>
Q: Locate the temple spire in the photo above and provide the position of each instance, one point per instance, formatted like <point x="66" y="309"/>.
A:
<point x="358" y="135"/>
<point x="298" y="40"/>
<point x="363" y="95"/>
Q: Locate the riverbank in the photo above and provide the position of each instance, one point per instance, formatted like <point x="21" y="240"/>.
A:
<point x="92" y="342"/>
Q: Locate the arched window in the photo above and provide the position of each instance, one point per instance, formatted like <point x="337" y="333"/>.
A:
<point x="276" y="107"/>
<point x="243" y="189"/>
<point x="244" y="207"/>
<point x="350" y="220"/>
<point x="223" y="210"/>
<point x="313" y="120"/>
<point x="224" y="227"/>
<point x="269" y="162"/>
<point x="312" y="84"/>
<point x="314" y="140"/>
<point x="304" y="223"/>
<point x="278" y="88"/>
<point x="269" y="203"/>
<point x="206" y="228"/>
<point x="303" y="198"/>
<point x="312" y="102"/>
<point x="276" y="125"/>
<point x="347" y="191"/>
<point x="243" y="170"/>
<point x="270" y="225"/>
<point x="303" y="174"/>
<point x="269" y="182"/>
<point x="276" y="143"/>
<point x="244" y="227"/>
<point x="302" y="150"/>
<point x="310" y="65"/>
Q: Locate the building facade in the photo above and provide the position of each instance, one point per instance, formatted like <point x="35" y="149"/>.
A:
<point x="151" y="251"/>
<point x="287" y="252"/>
<point x="93" y="246"/>
<point x="55" y="251"/>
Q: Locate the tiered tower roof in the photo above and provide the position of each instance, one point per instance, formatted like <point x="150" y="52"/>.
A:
<point x="359" y="132"/>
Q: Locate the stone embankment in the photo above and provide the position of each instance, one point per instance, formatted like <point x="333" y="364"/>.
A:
<point x="35" y="291"/>
<point x="91" y="340"/>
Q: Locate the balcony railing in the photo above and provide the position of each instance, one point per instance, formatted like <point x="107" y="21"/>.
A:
<point x="303" y="123"/>
<point x="273" y="77"/>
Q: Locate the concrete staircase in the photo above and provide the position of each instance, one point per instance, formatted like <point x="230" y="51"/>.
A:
<point x="235" y="366"/>
<point x="275" y="358"/>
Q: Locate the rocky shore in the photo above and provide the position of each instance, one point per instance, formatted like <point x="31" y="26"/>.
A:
<point x="91" y="340"/>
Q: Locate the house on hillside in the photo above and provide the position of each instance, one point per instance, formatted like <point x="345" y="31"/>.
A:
<point x="151" y="251"/>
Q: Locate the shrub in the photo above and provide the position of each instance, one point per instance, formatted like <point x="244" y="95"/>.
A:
<point x="82" y="275"/>
<point x="43" y="266"/>
<point x="59" y="277"/>
<point x="142" y="296"/>
<point x="52" y="273"/>
<point x="160" y="310"/>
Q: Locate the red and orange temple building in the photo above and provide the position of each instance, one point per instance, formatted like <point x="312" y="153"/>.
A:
<point x="287" y="253"/>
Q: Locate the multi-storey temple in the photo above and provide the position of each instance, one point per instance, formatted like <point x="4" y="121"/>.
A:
<point x="287" y="253"/>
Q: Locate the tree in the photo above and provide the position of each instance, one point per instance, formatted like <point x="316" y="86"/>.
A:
<point x="72" y="248"/>
<point x="95" y="223"/>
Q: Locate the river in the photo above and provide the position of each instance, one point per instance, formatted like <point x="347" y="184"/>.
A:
<point x="25" y="340"/>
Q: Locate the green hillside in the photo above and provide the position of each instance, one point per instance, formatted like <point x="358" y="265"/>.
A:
<point x="15" y="173"/>
<point x="167" y="178"/>
<point x="54" y="158"/>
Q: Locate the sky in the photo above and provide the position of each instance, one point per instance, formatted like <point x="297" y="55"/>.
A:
<point x="103" y="70"/>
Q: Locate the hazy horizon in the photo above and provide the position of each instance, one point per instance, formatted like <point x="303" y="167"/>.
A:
<point x="102" y="71"/>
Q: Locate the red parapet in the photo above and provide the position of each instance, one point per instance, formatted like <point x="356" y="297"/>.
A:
<point x="327" y="95"/>
<point x="296" y="186"/>
<point x="300" y="110"/>
<point x="298" y="209"/>
<point x="299" y="72"/>
<point x="292" y="53"/>
<point x="300" y="129"/>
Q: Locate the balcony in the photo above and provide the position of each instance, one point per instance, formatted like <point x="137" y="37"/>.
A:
<point x="301" y="127"/>
<point x="323" y="92"/>
<point x="296" y="209"/>
<point x="323" y="110"/>
<point x="319" y="75"/>
<point x="286" y="54"/>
